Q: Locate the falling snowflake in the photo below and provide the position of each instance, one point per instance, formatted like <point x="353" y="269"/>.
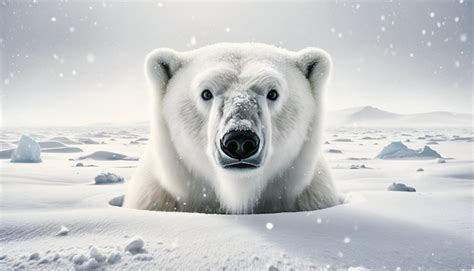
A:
<point x="457" y="64"/>
<point x="412" y="55"/>
<point x="429" y="44"/>
<point x="347" y="240"/>
<point x="269" y="226"/>
<point x="72" y="29"/>
<point x="456" y="19"/>
<point x="73" y="72"/>
<point x="382" y="18"/>
<point x="463" y="37"/>
<point x="227" y="29"/>
<point x="339" y="35"/>
<point x="91" y="58"/>
<point x="6" y="81"/>
<point x="432" y="14"/>
<point x="423" y="32"/>
<point x="193" y="41"/>
<point x="53" y="19"/>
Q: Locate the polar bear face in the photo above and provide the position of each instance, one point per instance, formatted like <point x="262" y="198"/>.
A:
<point x="238" y="115"/>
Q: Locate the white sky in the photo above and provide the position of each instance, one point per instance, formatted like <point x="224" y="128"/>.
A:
<point x="81" y="62"/>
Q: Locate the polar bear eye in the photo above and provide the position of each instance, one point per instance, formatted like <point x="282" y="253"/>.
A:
<point x="206" y="95"/>
<point x="272" y="95"/>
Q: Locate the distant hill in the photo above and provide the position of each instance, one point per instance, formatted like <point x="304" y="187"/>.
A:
<point x="372" y="116"/>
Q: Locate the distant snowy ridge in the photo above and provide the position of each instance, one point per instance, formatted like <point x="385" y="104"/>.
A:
<point x="372" y="116"/>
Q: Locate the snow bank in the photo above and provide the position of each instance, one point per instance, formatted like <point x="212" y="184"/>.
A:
<point x="65" y="140"/>
<point x="108" y="178"/>
<point x="87" y="141"/>
<point x="51" y="144"/>
<point x="6" y="154"/>
<point x="105" y="155"/>
<point x="28" y="151"/>
<point x="397" y="150"/>
<point x="401" y="187"/>
<point x="63" y="150"/>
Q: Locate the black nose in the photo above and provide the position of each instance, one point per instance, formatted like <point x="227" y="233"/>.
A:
<point x="240" y="144"/>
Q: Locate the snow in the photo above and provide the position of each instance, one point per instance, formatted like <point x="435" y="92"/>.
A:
<point x="397" y="150"/>
<point x="430" y="228"/>
<point x="108" y="178"/>
<point x="28" y="151"/>
<point x="401" y="187"/>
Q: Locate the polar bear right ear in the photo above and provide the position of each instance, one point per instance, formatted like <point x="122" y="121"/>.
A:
<point x="161" y="65"/>
<point x="316" y="66"/>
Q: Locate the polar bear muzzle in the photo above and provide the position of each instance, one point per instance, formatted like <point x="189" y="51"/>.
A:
<point x="240" y="145"/>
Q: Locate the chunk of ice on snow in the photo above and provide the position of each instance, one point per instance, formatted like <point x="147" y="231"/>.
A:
<point x="63" y="231"/>
<point x="28" y="151"/>
<point x="401" y="187"/>
<point x="135" y="245"/>
<point x="397" y="150"/>
<point x="107" y="178"/>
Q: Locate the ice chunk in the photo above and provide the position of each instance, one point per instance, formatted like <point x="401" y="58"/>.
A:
<point x="28" y="151"/>
<point x="63" y="231"/>
<point x="401" y="187"/>
<point x="106" y="178"/>
<point x="135" y="245"/>
<point x="397" y="150"/>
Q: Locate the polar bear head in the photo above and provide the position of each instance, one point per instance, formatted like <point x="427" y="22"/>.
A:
<point x="236" y="116"/>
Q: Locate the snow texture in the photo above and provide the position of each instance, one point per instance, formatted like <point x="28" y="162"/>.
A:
<point x="28" y="151"/>
<point x="429" y="230"/>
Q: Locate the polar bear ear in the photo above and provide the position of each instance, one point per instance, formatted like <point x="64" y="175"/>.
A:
<point x="161" y="65"/>
<point x="316" y="65"/>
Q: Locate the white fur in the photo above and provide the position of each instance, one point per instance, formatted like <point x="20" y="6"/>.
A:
<point x="180" y="171"/>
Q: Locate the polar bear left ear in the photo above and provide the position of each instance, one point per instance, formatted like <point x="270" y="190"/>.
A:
<point x="316" y="65"/>
<point x="161" y="65"/>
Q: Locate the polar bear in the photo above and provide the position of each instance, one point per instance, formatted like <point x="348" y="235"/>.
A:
<point x="236" y="128"/>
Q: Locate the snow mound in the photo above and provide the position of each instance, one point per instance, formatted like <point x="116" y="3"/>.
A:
<point x="28" y="151"/>
<point x="51" y="144"/>
<point x="135" y="245"/>
<point x="6" y="154"/>
<point x="401" y="187"/>
<point x="108" y="178"/>
<point x="63" y="150"/>
<point x="6" y="146"/>
<point x="105" y="155"/>
<point x="343" y="140"/>
<point x="87" y="141"/>
<point x="65" y="140"/>
<point x="397" y="150"/>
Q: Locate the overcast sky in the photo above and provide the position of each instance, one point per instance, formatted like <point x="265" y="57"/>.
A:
<point x="79" y="62"/>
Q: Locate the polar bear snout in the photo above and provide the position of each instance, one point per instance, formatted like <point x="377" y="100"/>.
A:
<point x="240" y="144"/>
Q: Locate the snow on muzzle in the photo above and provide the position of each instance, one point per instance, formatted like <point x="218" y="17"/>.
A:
<point x="240" y="146"/>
